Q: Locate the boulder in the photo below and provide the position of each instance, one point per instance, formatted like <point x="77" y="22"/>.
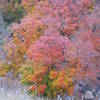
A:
<point x="89" y="95"/>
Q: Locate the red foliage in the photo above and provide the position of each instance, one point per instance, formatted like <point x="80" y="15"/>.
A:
<point x="41" y="89"/>
<point x="48" y="50"/>
<point x="71" y="33"/>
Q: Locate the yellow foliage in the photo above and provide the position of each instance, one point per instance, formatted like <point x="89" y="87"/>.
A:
<point x="63" y="83"/>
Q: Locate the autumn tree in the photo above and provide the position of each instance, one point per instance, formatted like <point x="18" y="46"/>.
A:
<point x="57" y="35"/>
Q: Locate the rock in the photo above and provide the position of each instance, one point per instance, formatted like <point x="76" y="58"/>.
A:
<point x="98" y="76"/>
<point x="89" y="95"/>
<point x="98" y="92"/>
<point x="98" y="95"/>
<point x="59" y="97"/>
<point x="97" y="1"/>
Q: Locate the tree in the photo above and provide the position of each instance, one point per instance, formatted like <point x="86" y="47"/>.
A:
<point x="49" y="50"/>
<point x="57" y="35"/>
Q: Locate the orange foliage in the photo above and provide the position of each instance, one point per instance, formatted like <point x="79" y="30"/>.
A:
<point x="41" y="89"/>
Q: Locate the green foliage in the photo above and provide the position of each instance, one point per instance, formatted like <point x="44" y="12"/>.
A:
<point x="13" y="12"/>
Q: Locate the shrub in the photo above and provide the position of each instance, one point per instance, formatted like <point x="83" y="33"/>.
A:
<point x="13" y="12"/>
<point x="60" y="38"/>
<point x="44" y="82"/>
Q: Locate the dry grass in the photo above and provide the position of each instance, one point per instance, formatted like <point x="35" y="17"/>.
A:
<point x="12" y="90"/>
<point x="16" y="94"/>
<point x="13" y="95"/>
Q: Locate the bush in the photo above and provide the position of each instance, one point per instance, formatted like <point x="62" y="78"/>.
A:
<point x="56" y="36"/>
<point x="13" y="12"/>
<point x="50" y="83"/>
